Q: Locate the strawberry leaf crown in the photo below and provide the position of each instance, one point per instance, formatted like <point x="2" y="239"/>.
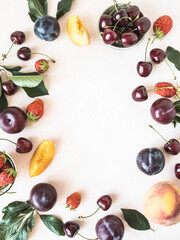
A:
<point x="3" y="155"/>
<point x="32" y="117"/>
<point x="11" y="171"/>
<point x="158" y="33"/>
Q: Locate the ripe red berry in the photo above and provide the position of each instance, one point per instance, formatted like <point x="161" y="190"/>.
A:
<point x="41" y="65"/>
<point x="162" y="26"/>
<point x="165" y="89"/>
<point x="35" y="110"/>
<point x="73" y="201"/>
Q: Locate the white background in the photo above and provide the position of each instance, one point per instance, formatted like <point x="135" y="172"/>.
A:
<point x="97" y="128"/>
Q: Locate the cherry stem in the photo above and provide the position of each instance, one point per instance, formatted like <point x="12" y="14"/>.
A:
<point x="45" y="56"/>
<point x="170" y="69"/>
<point x="119" y="21"/>
<point x="152" y="229"/>
<point x="115" y="5"/>
<point x="153" y="40"/>
<point x="159" y="88"/>
<point x="128" y="25"/>
<point x="7" y="192"/>
<point x="147" y="48"/>
<point x="159" y="134"/>
<point x="85" y="237"/>
<point x="118" y="8"/>
<point x="5" y="55"/>
<point x="7" y="140"/>
<point x="89" y="215"/>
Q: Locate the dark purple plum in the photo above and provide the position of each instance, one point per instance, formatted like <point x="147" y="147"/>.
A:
<point x="128" y="39"/>
<point x="110" y="227"/>
<point x="172" y="147"/>
<point x="105" y="21"/>
<point x="18" y="37"/>
<point x="144" y="68"/>
<point x="139" y="94"/>
<point x="133" y="11"/>
<point x="24" y="145"/>
<point x="143" y="24"/>
<point x="71" y="228"/>
<point x="157" y="55"/>
<point x="109" y="36"/>
<point x="121" y="14"/>
<point x="43" y="197"/>
<point x="104" y="202"/>
<point x="24" y="53"/>
<point x="12" y="120"/>
<point x="150" y="161"/>
<point x="177" y="170"/>
<point x="9" y="88"/>
<point x="163" y="111"/>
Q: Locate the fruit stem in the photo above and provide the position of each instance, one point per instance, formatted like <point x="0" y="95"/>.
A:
<point x="147" y="48"/>
<point x="5" y="55"/>
<point x="118" y="8"/>
<point x="89" y="215"/>
<point x="152" y="229"/>
<point x="128" y="25"/>
<point x="158" y="89"/>
<point x="7" y="192"/>
<point x="45" y="56"/>
<point x="170" y="69"/>
<point x="85" y="237"/>
<point x="119" y="21"/>
<point x="159" y="134"/>
<point x="7" y="140"/>
<point x="115" y="5"/>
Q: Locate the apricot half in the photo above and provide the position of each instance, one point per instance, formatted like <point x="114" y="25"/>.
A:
<point x="162" y="204"/>
<point x="77" y="31"/>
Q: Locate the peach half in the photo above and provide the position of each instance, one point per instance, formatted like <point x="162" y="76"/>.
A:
<point x="77" y="31"/>
<point x="162" y="204"/>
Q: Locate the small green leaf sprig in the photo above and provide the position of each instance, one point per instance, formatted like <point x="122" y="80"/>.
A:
<point x="18" y="220"/>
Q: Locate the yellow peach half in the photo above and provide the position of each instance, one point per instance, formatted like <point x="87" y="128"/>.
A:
<point x="77" y="31"/>
<point x="162" y="204"/>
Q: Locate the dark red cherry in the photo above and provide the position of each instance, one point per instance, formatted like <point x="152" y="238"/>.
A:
<point x="9" y="88"/>
<point x="71" y="228"/>
<point x="129" y="29"/>
<point x="104" y="202"/>
<point x="140" y="94"/>
<point x="177" y="170"/>
<point x="121" y="14"/>
<point x="143" y="24"/>
<point x="157" y="55"/>
<point x="133" y="11"/>
<point x="23" y="145"/>
<point x="109" y="36"/>
<point x="105" y="21"/>
<point x="24" y="53"/>
<point x="144" y="68"/>
<point x="18" y="37"/>
<point x="172" y="147"/>
<point x="128" y="39"/>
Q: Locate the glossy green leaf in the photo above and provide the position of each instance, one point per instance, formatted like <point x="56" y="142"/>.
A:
<point x="44" y="4"/>
<point x="135" y="219"/>
<point x="177" y="106"/>
<point x="176" y="121"/>
<point x="35" y="9"/>
<point x="54" y="224"/>
<point x="30" y="221"/>
<point x="3" y="102"/>
<point x="12" y="68"/>
<point x="33" y="18"/>
<point x="63" y="7"/>
<point x="40" y="90"/>
<point x="22" y="232"/>
<point x="173" y="56"/>
<point x="16" y="206"/>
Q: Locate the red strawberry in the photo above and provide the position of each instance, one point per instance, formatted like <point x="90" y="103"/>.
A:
<point x="162" y="26"/>
<point x="35" y="110"/>
<point x="6" y="166"/>
<point x="2" y="159"/>
<point x="166" y="89"/>
<point x="7" y="177"/>
<point x="73" y="201"/>
<point x="41" y="65"/>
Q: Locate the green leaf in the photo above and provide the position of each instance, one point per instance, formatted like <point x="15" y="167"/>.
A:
<point x="40" y="90"/>
<point x="22" y="233"/>
<point x="63" y="7"/>
<point x="30" y="221"/>
<point x="16" y="206"/>
<point x="3" y="102"/>
<point x="33" y="18"/>
<point x="35" y="9"/>
<point x="177" y="106"/>
<point x="44" y="4"/>
<point x="0" y="87"/>
<point x="55" y="225"/>
<point x="173" y="56"/>
<point x="27" y="80"/>
<point x="175" y="121"/>
<point x="12" y="68"/>
<point x="135" y="219"/>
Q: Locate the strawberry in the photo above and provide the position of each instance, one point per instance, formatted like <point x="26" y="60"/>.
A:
<point x="7" y="177"/>
<point x="41" y="65"/>
<point x="166" y="89"/>
<point x="2" y="159"/>
<point x="6" y="166"/>
<point x="162" y="26"/>
<point x="73" y="201"/>
<point x="35" y="110"/>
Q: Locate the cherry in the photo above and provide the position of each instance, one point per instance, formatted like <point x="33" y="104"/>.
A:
<point x="109" y="36"/>
<point x="18" y="37"/>
<point x="24" y="53"/>
<point x="172" y="146"/>
<point x="140" y="94"/>
<point x="143" y="24"/>
<point x="144" y="68"/>
<point x="23" y="145"/>
<point x="121" y="17"/>
<point x="104" y="203"/>
<point x="9" y="88"/>
<point x="105" y="21"/>
<point x="128" y="39"/>
<point x="130" y="29"/>
<point x="177" y="170"/>
<point x="163" y="111"/>
<point x="133" y="11"/>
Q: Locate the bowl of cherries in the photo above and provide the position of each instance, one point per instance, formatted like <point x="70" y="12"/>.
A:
<point x="123" y="25"/>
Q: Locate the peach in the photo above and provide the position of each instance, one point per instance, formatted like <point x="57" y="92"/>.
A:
<point x="77" y="31"/>
<point x="162" y="204"/>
